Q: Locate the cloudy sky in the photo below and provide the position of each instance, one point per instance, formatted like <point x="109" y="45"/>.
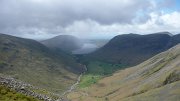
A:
<point x="39" y="19"/>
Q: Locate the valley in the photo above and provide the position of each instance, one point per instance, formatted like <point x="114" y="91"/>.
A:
<point x="50" y="73"/>
<point x="127" y="50"/>
<point x="148" y="81"/>
<point x="90" y="50"/>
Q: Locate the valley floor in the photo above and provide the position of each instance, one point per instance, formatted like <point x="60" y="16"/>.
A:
<point x="157" y="79"/>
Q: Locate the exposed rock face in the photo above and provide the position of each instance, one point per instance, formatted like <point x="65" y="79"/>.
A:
<point x="173" y="77"/>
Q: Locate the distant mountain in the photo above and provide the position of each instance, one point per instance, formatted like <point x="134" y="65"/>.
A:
<point x="157" y="79"/>
<point x="31" y="62"/>
<point x="74" y="45"/>
<point x="132" y="49"/>
<point x="90" y="45"/>
<point x="66" y="43"/>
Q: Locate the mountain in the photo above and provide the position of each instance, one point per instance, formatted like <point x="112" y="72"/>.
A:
<point x="156" y="79"/>
<point x="132" y="49"/>
<point x="66" y="43"/>
<point x="74" y="45"/>
<point x="31" y="62"/>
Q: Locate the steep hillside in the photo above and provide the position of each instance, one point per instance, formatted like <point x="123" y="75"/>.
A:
<point x="33" y="63"/>
<point x="132" y="49"/>
<point x="122" y="48"/>
<point x="157" y="79"/>
<point x="66" y="43"/>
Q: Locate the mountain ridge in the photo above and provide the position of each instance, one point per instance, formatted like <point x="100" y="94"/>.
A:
<point x="141" y="47"/>
<point x="67" y="43"/>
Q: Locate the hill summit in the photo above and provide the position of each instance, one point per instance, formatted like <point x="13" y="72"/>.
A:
<point x="67" y="43"/>
<point x="132" y="49"/>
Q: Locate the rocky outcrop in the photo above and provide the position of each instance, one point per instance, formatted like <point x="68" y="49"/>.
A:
<point x="22" y="87"/>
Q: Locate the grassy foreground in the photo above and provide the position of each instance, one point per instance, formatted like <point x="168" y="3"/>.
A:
<point x="10" y="95"/>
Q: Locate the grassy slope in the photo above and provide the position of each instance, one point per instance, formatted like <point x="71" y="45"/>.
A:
<point x="10" y="95"/>
<point x="154" y="80"/>
<point x="129" y="50"/>
<point x="89" y="79"/>
<point x="30" y="61"/>
<point x="99" y="67"/>
<point x="97" y="70"/>
<point x="122" y="48"/>
<point x="102" y="68"/>
<point x="169" y="92"/>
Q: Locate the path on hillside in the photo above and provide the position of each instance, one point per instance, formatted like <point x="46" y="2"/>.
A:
<point x="72" y="87"/>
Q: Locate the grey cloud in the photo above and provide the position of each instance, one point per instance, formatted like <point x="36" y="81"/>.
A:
<point x="65" y="12"/>
<point x="56" y="16"/>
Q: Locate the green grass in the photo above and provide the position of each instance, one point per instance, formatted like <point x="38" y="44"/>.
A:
<point x="89" y="79"/>
<point x="31" y="62"/>
<point x="10" y="95"/>
<point x="3" y="64"/>
<point x="96" y="70"/>
<point x="103" y="68"/>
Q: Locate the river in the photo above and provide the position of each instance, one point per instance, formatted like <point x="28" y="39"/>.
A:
<point x="71" y="88"/>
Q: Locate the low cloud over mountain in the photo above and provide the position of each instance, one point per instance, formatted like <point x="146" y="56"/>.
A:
<point x="40" y="19"/>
